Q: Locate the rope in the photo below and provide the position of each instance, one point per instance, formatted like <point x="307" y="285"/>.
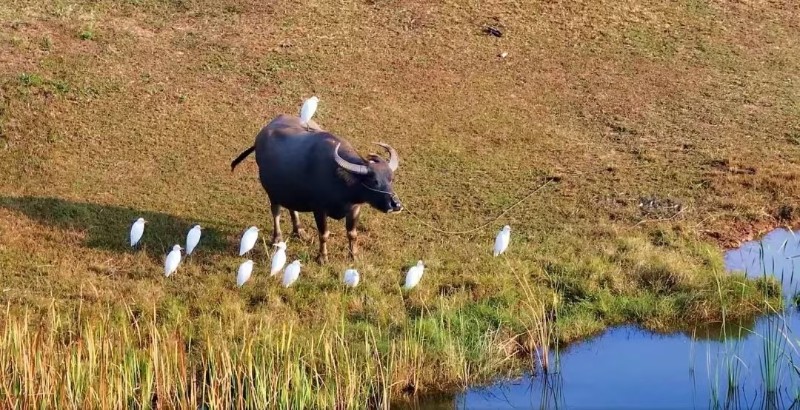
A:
<point x="530" y="194"/>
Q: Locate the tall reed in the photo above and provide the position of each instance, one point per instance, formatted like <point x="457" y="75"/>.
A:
<point x="101" y="363"/>
<point x="539" y="326"/>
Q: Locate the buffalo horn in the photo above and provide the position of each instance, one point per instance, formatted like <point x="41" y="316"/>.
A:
<point x="354" y="168"/>
<point x="394" y="159"/>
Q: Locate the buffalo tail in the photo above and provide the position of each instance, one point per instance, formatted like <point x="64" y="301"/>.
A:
<point x="242" y="156"/>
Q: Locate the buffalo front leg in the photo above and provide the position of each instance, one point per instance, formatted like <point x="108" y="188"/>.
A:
<point x="276" y="221"/>
<point x="322" y="227"/>
<point x="296" y="229"/>
<point x="352" y="234"/>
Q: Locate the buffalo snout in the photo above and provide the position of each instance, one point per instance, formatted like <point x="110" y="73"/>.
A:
<point x="394" y="204"/>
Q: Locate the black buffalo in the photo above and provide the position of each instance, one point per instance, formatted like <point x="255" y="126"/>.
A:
<point x="316" y="171"/>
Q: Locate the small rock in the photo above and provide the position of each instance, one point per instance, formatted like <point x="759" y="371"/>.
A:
<point x="504" y="54"/>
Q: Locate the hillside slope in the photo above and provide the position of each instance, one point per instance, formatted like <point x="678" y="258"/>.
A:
<point x="668" y="131"/>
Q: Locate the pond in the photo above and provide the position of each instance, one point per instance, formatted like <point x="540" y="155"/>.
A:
<point x="755" y="365"/>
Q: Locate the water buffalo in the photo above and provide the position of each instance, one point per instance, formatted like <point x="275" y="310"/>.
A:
<point x="316" y="171"/>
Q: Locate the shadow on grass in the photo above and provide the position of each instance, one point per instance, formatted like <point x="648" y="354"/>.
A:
<point x="108" y="227"/>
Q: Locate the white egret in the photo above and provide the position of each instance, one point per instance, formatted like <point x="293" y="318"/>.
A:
<point x="278" y="258"/>
<point x="137" y="230"/>
<point x="308" y="110"/>
<point x="291" y="273"/>
<point x="172" y="261"/>
<point x="245" y="269"/>
<point x="502" y="240"/>
<point x="248" y="240"/>
<point x="351" y="278"/>
<point x="414" y="275"/>
<point x="192" y="238"/>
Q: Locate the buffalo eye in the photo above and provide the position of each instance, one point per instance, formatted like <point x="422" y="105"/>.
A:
<point x="370" y="179"/>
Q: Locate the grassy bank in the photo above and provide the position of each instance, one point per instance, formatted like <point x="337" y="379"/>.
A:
<point x="157" y="359"/>
<point x="132" y="359"/>
<point x="669" y="131"/>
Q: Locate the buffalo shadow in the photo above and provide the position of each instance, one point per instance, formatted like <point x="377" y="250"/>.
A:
<point x="108" y="227"/>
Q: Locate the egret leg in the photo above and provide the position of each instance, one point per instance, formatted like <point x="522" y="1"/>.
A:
<point x="296" y="229"/>
<point x="276" y="221"/>
<point x="322" y="227"/>
<point x="352" y="233"/>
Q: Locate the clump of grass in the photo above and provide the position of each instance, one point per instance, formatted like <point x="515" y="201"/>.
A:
<point x="539" y="327"/>
<point x="796" y="299"/>
<point x="793" y="137"/>
<point x="46" y="43"/>
<point x="88" y="32"/>
<point x="31" y="80"/>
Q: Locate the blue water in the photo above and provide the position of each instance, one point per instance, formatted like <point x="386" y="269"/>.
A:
<point x="629" y="368"/>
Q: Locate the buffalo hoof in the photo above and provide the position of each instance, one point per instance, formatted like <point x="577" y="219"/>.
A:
<point x="322" y="259"/>
<point x="276" y="239"/>
<point x="300" y="234"/>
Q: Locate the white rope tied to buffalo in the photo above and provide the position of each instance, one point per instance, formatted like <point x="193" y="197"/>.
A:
<point x="530" y="194"/>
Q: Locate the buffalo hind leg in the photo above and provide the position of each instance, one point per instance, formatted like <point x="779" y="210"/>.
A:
<point x="297" y="231"/>
<point x="350" y="225"/>
<point x="276" y="221"/>
<point x="322" y="227"/>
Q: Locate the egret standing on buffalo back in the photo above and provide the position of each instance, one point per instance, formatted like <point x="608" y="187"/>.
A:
<point x="308" y="110"/>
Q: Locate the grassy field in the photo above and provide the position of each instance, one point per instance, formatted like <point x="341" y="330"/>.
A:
<point x="669" y="131"/>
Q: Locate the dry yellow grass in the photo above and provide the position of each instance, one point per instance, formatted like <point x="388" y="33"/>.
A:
<point x="673" y="129"/>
